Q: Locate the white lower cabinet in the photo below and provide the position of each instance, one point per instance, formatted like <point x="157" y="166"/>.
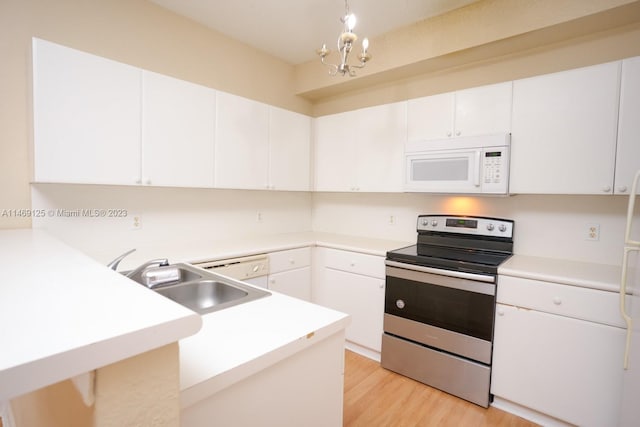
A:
<point x="353" y="283"/>
<point x="563" y="367"/>
<point x="290" y="272"/>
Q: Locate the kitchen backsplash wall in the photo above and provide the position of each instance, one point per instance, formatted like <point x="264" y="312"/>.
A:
<point x="554" y="226"/>
<point x="546" y="225"/>
<point x="73" y="214"/>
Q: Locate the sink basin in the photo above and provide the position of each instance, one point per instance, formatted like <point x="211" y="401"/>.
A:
<point x="204" y="292"/>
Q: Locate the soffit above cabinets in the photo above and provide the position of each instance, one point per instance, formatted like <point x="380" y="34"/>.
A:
<point x="292" y="29"/>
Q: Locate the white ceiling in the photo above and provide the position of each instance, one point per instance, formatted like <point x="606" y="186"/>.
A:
<point x="292" y="29"/>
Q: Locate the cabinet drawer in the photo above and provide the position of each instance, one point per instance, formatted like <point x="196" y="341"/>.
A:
<point x="354" y="262"/>
<point x="571" y="301"/>
<point x="289" y="259"/>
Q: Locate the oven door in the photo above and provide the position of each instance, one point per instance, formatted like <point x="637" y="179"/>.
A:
<point x="453" y="314"/>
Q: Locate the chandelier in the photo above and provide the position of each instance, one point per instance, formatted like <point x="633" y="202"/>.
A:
<point x="345" y="42"/>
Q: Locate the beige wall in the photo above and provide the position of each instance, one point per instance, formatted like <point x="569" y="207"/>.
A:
<point x="136" y="32"/>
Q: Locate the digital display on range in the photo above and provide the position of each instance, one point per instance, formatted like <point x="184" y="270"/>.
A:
<point x="493" y="154"/>
<point x="462" y="223"/>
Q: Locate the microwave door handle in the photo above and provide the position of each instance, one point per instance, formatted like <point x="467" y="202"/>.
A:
<point x="476" y="177"/>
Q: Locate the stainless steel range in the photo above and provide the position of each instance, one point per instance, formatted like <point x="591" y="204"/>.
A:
<point x="440" y="303"/>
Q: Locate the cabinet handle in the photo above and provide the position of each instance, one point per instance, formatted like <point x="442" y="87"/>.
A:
<point x="449" y="133"/>
<point x="557" y="300"/>
<point x="458" y="133"/>
<point x="606" y="189"/>
<point x="352" y="264"/>
<point x="500" y="312"/>
<point x="137" y="180"/>
<point x="622" y="189"/>
<point x="292" y="261"/>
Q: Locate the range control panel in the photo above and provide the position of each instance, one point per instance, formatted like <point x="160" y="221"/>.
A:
<point x="482" y="226"/>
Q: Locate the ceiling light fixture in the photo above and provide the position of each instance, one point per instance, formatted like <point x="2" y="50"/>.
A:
<point x="345" y="43"/>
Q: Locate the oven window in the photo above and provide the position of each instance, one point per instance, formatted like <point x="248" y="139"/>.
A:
<point x="455" y="310"/>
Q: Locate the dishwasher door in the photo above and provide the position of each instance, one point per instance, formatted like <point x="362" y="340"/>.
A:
<point x="251" y="269"/>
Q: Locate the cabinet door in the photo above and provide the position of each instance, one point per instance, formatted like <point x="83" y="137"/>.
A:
<point x="483" y="110"/>
<point x="295" y="283"/>
<point x="178" y="132"/>
<point x="86" y="117"/>
<point x="289" y="150"/>
<point x="566" y="368"/>
<point x="430" y="117"/>
<point x="564" y="131"/>
<point x="335" y="152"/>
<point x="628" y="149"/>
<point x="381" y="137"/>
<point x="362" y="297"/>
<point x="242" y="143"/>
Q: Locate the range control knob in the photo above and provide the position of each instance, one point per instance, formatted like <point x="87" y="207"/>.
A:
<point x="400" y="304"/>
<point x="425" y="222"/>
<point x="502" y="228"/>
<point x="490" y="227"/>
<point x="434" y="223"/>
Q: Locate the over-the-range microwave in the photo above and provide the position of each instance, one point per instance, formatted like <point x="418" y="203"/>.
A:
<point x="463" y="165"/>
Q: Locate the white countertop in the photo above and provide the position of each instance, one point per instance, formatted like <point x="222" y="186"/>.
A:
<point x="574" y="273"/>
<point x="199" y="251"/>
<point x="63" y="314"/>
<point x="240" y="341"/>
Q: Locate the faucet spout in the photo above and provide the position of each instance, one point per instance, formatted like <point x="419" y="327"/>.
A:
<point x="114" y="264"/>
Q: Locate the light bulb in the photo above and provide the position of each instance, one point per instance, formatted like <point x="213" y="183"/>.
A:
<point x="365" y="44"/>
<point x="351" y="22"/>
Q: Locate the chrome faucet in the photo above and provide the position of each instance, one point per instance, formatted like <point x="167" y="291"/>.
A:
<point x="114" y="264"/>
<point x="160" y="262"/>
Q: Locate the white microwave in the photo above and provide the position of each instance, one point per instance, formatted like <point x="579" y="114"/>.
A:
<point x="466" y="165"/>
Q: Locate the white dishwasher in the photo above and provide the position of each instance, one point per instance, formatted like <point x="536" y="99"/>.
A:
<point x="250" y="269"/>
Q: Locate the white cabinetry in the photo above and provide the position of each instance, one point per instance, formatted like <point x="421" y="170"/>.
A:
<point x="353" y="283"/>
<point x="289" y="150"/>
<point x="290" y="272"/>
<point x="361" y="150"/>
<point x="628" y="148"/>
<point x="242" y="142"/>
<point x="260" y="147"/>
<point x="178" y="132"/>
<point x="478" y="111"/>
<point x="564" y="131"/>
<point x="86" y="117"/>
<point x="558" y="350"/>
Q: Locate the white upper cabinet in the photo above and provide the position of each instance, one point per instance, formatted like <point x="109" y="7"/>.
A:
<point x="260" y="147"/>
<point x="86" y="117"/>
<point x="478" y="111"/>
<point x="289" y="150"/>
<point x="564" y="131"/>
<point x="628" y="148"/>
<point x="361" y="150"/>
<point x="178" y="132"/>
<point x="242" y="143"/>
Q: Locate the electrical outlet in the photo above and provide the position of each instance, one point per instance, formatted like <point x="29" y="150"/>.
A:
<point x="593" y="231"/>
<point x="259" y="216"/>
<point x="136" y="222"/>
<point x="392" y="219"/>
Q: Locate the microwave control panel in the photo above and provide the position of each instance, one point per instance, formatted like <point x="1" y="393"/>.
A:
<point x="495" y="164"/>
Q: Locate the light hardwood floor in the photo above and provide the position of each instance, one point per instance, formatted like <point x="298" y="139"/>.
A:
<point x="374" y="396"/>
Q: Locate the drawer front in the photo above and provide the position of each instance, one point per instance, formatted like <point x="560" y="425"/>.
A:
<point x="354" y="262"/>
<point x="571" y="301"/>
<point x="289" y="259"/>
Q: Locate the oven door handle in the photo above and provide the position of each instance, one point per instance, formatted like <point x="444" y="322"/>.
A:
<point x="451" y="273"/>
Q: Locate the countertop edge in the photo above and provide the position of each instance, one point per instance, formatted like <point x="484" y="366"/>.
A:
<point x="191" y="395"/>
<point x="605" y="277"/>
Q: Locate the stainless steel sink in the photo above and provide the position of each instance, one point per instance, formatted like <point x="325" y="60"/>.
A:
<point x="204" y="292"/>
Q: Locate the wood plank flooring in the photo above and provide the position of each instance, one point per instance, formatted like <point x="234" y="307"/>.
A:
<point x="374" y="396"/>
